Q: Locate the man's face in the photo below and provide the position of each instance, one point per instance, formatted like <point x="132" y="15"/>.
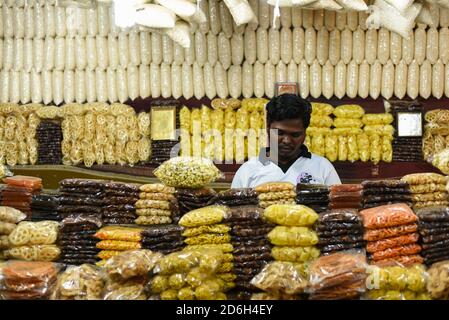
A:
<point x="290" y="136"/>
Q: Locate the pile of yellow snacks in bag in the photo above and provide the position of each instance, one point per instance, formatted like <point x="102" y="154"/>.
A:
<point x="155" y="205"/>
<point x="189" y="275"/>
<point x="84" y="282"/>
<point x="9" y="217"/>
<point x="397" y="283"/>
<point x="18" y="126"/>
<point x="280" y="280"/>
<point x="337" y="276"/>
<point x="115" y="239"/>
<point x="128" y="274"/>
<point x="380" y="132"/>
<point x="205" y="227"/>
<point x="391" y="232"/>
<point x="187" y="172"/>
<point x="348" y="126"/>
<point x="34" y="241"/>
<point x="438" y="280"/>
<point x="293" y="238"/>
<point x="319" y="128"/>
<point x="436" y="135"/>
<point x="231" y="130"/>
<point x="101" y="133"/>
<point x="276" y="193"/>
<point x="427" y="189"/>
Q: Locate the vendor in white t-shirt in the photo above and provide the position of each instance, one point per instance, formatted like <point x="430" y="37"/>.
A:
<point x="288" y="117"/>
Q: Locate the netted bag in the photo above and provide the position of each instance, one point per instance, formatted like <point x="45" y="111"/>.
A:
<point x="187" y="172"/>
<point x="292" y="236"/>
<point x="290" y="215"/>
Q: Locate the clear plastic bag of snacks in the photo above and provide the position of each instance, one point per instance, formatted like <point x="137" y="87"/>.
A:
<point x="290" y="215"/>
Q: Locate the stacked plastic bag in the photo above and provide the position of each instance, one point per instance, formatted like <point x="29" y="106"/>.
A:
<point x="397" y="283"/>
<point x="318" y="133"/>
<point x="205" y="227"/>
<point x="19" y="191"/>
<point x="345" y="196"/>
<point x="77" y="241"/>
<point x="101" y="133"/>
<point x="380" y="132"/>
<point x="84" y="282"/>
<point x="236" y="197"/>
<point x="391" y="232"/>
<point x="34" y="241"/>
<point x="27" y="280"/>
<point x="49" y="137"/>
<point x="128" y="274"/>
<point x="437" y="283"/>
<point x="293" y="238"/>
<point x="189" y="275"/>
<point x="406" y="148"/>
<point x="276" y="193"/>
<point x="315" y="196"/>
<point x="428" y="189"/>
<point x="338" y="276"/>
<point x="191" y="199"/>
<point x="44" y="206"/>
<point x="381" y="192"/>
<point x="340" y="230"/>
<point x="115" y="239"/>
<point x="348" y="126"/>
<point x="18" y="125"/>
<point x="9" y="218"/>
<point x="433" y="224"/>
<point x="163" y="238"/>
<point x="156" y="205"/>
<point x="119" y="203"/>
<point x="434" y="140"/>
<point x="252" y="249"/>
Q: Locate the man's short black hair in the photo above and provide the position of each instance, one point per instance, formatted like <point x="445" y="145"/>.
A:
<point x="289" y="106"/>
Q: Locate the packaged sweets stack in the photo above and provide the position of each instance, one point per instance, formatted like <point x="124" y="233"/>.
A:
<point x="252" y="249"/>
<point x="392" y="235"/>
<point x="81" y="196"/>
<point x="280" y="280"/>
<point x="338" y="276"/>
<point x="49" y="137"/>
<point x="191" y="199"/>
<point x="9" y="218"/>
<point x="293" y="238"/>
<point x="348" y="124"/>
<point x="428" y="189"/>
<point x="115" y="239"/>
<point x="345" y="196"/>
<point x="44" y="206"/>
<point x="19" y="191"/>
<point x="340" y="230"/>
<point x="236" y="197"/>
<point x="164" y="238"/>
<point x="433" y="227"/>
<point x="319" y="129"/>
<point x="380" y="132"/>
<point x="315" y="196"/>
<point x="406" y="148"/>
<point x="127" y="274"/>
<point x="84" y="282"/>
<point x="27" y="280"/>
<point x="435" y="138"/>
<point x="276" y="193"/>
<point x="156" y="204"/>
<point x="34" y="241"/>
<point x="381" y="192"/>
<point x="189" y="275"/>
<point x="161" y="150"/>
<point x="205" y="227"/>
<point x="397" y="283"/>
<point x="77" y="241"/>
<point x="119" y="203"/>
<point x="438" y="280"/>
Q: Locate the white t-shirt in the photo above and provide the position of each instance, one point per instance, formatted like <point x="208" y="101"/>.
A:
<point x="316" y="170"/>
